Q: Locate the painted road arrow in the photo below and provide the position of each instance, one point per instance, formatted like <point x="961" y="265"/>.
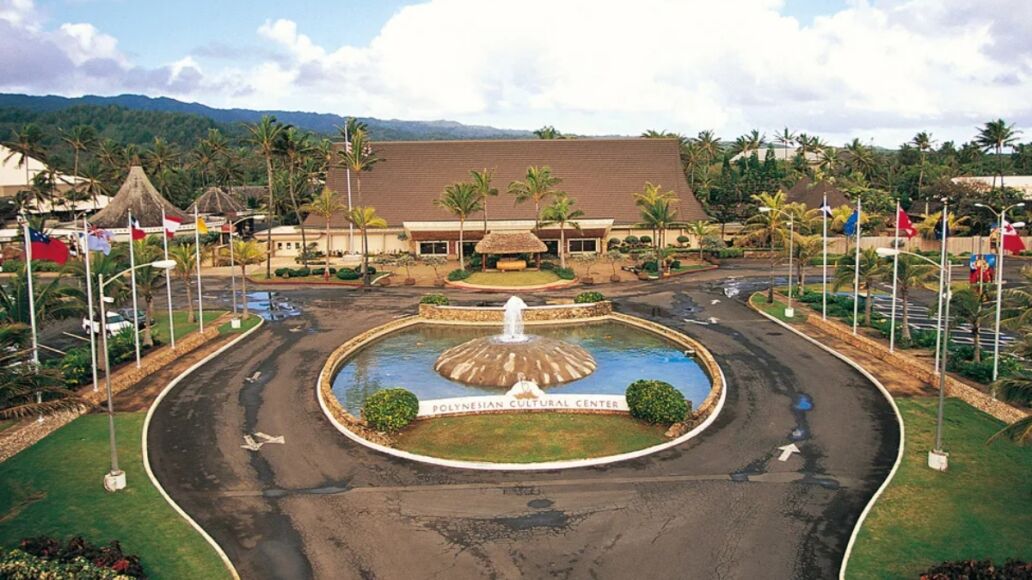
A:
<point x="269" y="438"/>
<point x="787" y="451"/>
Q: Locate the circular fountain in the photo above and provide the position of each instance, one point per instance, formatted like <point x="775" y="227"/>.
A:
<point x="502" y="360"/>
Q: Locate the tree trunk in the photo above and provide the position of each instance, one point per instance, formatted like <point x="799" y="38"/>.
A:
<point x="868" y="303"/>
<point x="365" y="257"/>
<point x="562" y="245"/>
<point x="905" y="332"/>
<point x="975" y="331"/>
<point x="268" y="226"/>
<point x="148" y="337"/>
<point x="326" y="271"/>
<point x="190" y="316"/>
<point x="297" y="214"/>
<point x="485" y="215"/>
<point x="770" y="291"/>
<point x="243" y="288"/>
<point x="462" y="255"/>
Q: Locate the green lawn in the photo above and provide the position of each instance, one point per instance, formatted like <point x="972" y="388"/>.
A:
<point x="245" y="324"/>
<point x="55" y="488"/>
<point x="182" y="326"/>
<point x="777" y="309"/>
<point x="981" y="508"/>
<point x="528" y="437"/>
<point x="524" y="278"/>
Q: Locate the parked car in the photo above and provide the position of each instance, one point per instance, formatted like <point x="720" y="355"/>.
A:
<point x="141" y="317"/>
<point x="116" y="323"/>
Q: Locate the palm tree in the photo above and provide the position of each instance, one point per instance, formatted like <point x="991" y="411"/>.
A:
<point x="548" y="132"/>
<point x="657" y="204"/>
<point x="561" y="212"/>
<point x="912" y="272"/>
<point x="462" y="200"/>
<point x="767" y="228"/>
<point x="700" y="229"/>
<point x="538" y="186"/>
<point x="751" y="141"/>
<point x="326" y="205"/>
<point x="264" y="135"/>
<point x="184" y="256"/>
<point x="246" y="253"/>
<point x="26" y="143"/>
<point x="359" y="156"/>
<point x="364" y="218"/>
<point x="806" y="249"/>
<point x="28" y="390"/>
<point x="974" y="307"/>
<point x="995" y="136"/>
<point x="861" y="158"/>
<point x="52" y="300"/>
<point x="1017" y="389"/>
<point x="923" y="143"/>
<point x="111" y="158"/>
<point x="295" y="145"/>
<point x="482" y="182"/>
<point x="786" y="138"/>
<point x="148" y="280"/>
<point x="93" y="183"/>
<point x="872" y="270"/>
<point x="931" y="223"/>
<point x="709" y="145"/>
<point x="159" y="160"/>
<point x="80" y="138"/>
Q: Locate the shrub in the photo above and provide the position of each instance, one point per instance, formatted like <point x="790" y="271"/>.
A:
<point x="436" y="299"/>
<point x="547" y="266"/>
<point x="980" y="569"/>
<point x="371" y="270"/>
<point x="656" y="402"/>
<point x="390" y="409"/>
<point x="589" y="297"/>
<point x="683" y="240"/>
<point x="724" y="253"/>
<point x="650" y="266"/>
<point x="631" y="240"/>
<point x="76" y="366"/>
<point x="675" y="265"/>
<point x="348" y="274"/>
<point x="76" y="559"/>
<point x="645" y="240"/>
<point x="613" y="243"/>
<point x="300" y="272"/>
<point x="457" y="275"/>
<point x="282" y="272"/>
<point x="565" y="273"/>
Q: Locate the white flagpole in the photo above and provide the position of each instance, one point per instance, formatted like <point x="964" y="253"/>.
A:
<point x="895" y="275"/>
<point x="999" y="295"/>
<point x="943" y="271"/>
<point x="856" y="267"/>
<point x="168" y="284"/>
<point x="32" y="294"/>
<point x="197" y="253"/>
<point x="89" y="300"/>
<point x="824" y="267"/>
<point x="132" y="277"/>
<point x="351" y="226"/>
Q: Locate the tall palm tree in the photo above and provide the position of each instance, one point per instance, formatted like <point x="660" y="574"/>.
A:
<point x="149" y="280"/>
<point x="246" y="253"/>
<point x="326" y="205"/>
<point x="709" y="145"/>
<point x="295" y="145"/>
<point x="26" y="143"/>
<point x="1017" y="388"/>
<point x="80" y="138"/>
<point x="561" y="212"/>
<point x="160" y="160"/>
<point x="538" y="186"/>
<point x="923" y="143"/>
<point x="657" y="210"/>
<point x="872" y="270"/>
<point x="976" y="308"/>
<point x="92" y="182"/>
<point x="912" y="273"/>
<point x="786" y="139"/>
<point x="52" y="300"/>
<point x="767" y="228"/>
<point x="482" y="182"/>
<point x="700" y="229"/>
<point x="184" y="256"/>
<point x="461" y="200"/>
<point x="264" y="135"/>
<point x="751" y="141"/>
<point x="364" y="218"/>
<point x="861" y="158"/>
<point x="806" y="249"/>
<point x="548" y="132"/>
<point x="995" y="136"/>
<point x="359" y="156"/>
<point x="111" y="158"/>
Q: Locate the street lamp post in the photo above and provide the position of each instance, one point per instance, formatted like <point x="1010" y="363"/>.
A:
<point x="789" y="311"/>
<point x="999" y="280"/>
<point x="235" y="322"/>
<point x="937" y="458"/>
<point x="115" y="479"/>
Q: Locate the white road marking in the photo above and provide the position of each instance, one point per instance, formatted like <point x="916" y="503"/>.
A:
<point x="787" y="451"/>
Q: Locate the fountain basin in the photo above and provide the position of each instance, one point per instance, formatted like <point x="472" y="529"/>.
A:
<point x="492" y="361"/>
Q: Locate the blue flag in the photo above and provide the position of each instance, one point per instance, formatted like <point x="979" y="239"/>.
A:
<point x="852" y="223"/>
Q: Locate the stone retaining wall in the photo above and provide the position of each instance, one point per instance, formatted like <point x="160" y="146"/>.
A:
<point x="531" y="315"/>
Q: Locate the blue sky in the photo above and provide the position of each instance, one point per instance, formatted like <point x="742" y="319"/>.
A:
<point x="879" y="70"/>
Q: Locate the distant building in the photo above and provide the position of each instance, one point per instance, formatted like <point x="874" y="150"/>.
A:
<point x="812" y="194"/>
<point x="1022" y="183"/>
<point x="780" y="153"/>
<point x="13" y="174"/>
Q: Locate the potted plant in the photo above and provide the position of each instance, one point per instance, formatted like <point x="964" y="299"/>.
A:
<point x="588" y="260"/>
<point x="406" y="261"/>
<point x="435" y="262"/>
<point x="614" y="257"/>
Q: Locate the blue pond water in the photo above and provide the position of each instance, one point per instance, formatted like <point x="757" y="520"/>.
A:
<point x="624" y="354"/>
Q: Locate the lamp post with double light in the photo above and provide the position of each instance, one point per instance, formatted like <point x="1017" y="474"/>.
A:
<point x="1001" y="215"/>
<point x="115" y="479"/>
<point x="789" y="311"/>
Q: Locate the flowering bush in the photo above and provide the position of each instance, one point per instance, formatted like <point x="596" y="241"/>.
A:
<point x="390" y="409"/>
<point x="46" y="557"/>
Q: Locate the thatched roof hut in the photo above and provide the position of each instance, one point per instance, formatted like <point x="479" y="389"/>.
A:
<point x="216" y="201"/>
<point x="138" y="195"/>
<point x="501" y="243"/>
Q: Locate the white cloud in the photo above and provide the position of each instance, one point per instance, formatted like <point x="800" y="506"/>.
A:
<point x="83" y="42"/>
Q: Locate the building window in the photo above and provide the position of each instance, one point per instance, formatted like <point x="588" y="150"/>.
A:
<point x="433" y="248"/>
<point x="279" y="245"/>
<point x="584" y="245"/>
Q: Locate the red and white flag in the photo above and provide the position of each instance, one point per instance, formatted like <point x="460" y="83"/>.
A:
<point x="1011" y="240"/>
<point x="172" y="224"/>
<point x="136" y="231"/>
<point x="904" y="224"/>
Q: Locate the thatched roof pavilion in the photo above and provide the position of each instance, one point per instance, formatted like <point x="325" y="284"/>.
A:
<point x="138" y="195"/>
<point x="501" y="243"/>
<point x="216" y="201"/>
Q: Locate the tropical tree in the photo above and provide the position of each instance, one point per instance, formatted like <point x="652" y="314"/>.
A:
<point x="80" y="138"/>
<point x="461" y="200"/>
<point x="769" y="227"/>
<point x="1017" y="389"/>
<point x="974" y="307"/>
<point x="26" y="143"/>
<point x="28" y="390"/>
<point x="872" y="270"/>
<point x="932" y="223"/>
<point x="52" y="299"/>
<point x="657" y="210"/>
<point x="245" y="253"/>
<point x="326" y="205"/>
<point x="751" y="141"/>
<point x="561" y="212"/>
<point x="359" y="156"/>
<point x="185" y="256"/>
<point x="861" y="158"/>
<point x="786" y="139"/>
<point x="538" y="186"/>
<point x="700" y="229"/>
<point x="548" y="132"/>
<point x="806" y="248"/>
<point x="364" y="218"/>
<point x="482" y="183"/>
<point x="149" y="280"/>
<point x="911" y="273"/>
<point x="923" y="143"/>
<point x="709" y="145"/>
<point x="264" y="136"/>
<point x="995" y="136"/>
<point x="295" y="146"/>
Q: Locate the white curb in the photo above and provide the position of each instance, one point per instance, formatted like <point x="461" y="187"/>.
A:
<point x="899" y="419"/>
<point x="146" y="457"/>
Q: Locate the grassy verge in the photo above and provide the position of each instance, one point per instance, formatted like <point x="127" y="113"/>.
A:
<point x="524" y="278"/>
<point x="777" y="309"/>
<point x="980" y="509"/>
<point x="183" y="327"/>
<point x="245" y="324"/>
<point x="54" y="488"/>
<point x="528" y="437"/>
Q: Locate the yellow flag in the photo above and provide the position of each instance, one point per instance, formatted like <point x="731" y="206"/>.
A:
<point x="201" y="226"/>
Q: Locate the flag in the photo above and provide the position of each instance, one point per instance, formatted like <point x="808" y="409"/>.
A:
<point x="851" y="223"/>
<point x="904" y="224"/>
<point x="171" y="225"/>
<point x="136" y="231"/>
<point x="99" y="240"/>
<point x="46" y="248"/>
<point x="982" y="268"/>
<point x="226" y="228"/>
<point x="201" y="226"/>
<point x="826" y="209"/>
<point x="1011" y="240"/>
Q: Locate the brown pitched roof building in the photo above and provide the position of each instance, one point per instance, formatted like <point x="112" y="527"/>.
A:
<point x="601" y="175"/>
<point x="139" y="196"/>
<point x="812" y="194"/>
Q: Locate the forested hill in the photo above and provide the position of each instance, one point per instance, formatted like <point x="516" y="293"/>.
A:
<point x="42" y="109"/>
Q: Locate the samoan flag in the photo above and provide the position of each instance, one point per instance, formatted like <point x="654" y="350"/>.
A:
<point x="99" y="240"/>
<point x="852" y="223"/>
<point x="45" y="247"/>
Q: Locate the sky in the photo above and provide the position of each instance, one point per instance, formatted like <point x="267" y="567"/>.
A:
<point x="877" y="70"/>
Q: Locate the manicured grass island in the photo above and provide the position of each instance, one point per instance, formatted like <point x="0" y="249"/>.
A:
<point x="523" y="278"/>
<point x="776" y="309"/>
<point x="981" y="508"/>
<point x="528" y="437"/>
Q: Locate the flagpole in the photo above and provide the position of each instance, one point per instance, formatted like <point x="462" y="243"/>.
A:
<point x="132" y="277"/>
<point x="824" y="267"/>
<point x="232" y="269"/>
<point x="895" y="276"/>
<point x="856" y="267"/>
<point x="89" y="300"/>
<point x="32" y="294"/>
<point x="999" y="296"/>
<point x="942" y="281"/>
<point x="197" y="254"/>
<point x="168" y="284"/>
<point x="351" y="226"/>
